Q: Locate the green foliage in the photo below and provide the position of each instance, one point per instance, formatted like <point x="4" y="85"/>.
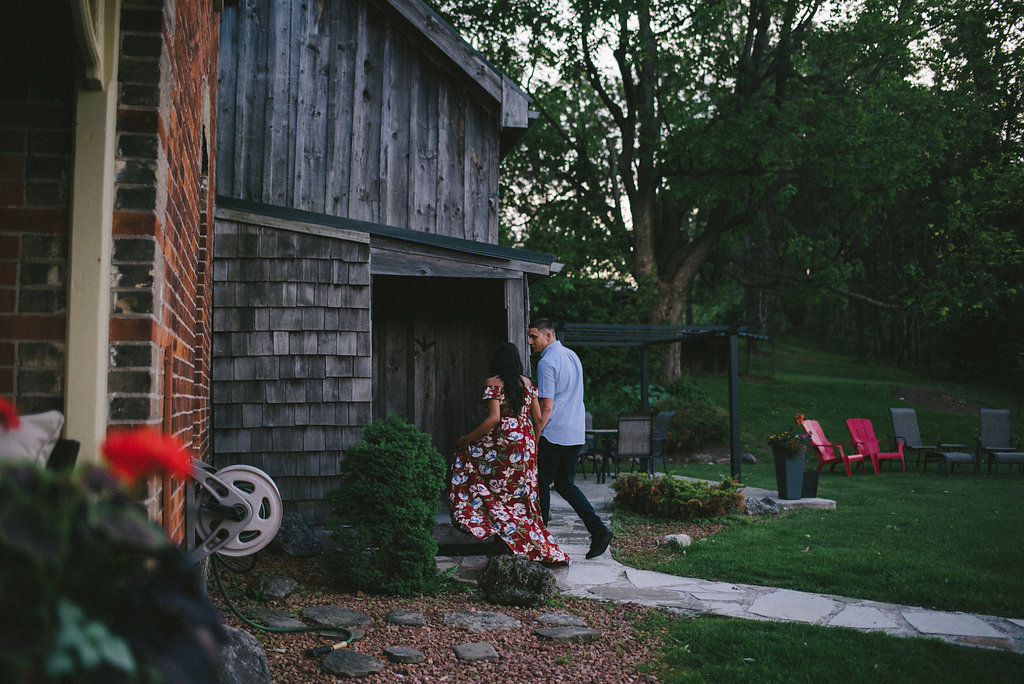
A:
<point x="85" y="644"/>
<point x="384" y="508"/>
<point x="696" y="425"/>
<point x="853" y="176"/>
<point x="678" y="499"/>
<point x="98" y="591"/>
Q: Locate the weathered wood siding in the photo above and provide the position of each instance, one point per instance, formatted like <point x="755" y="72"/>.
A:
<point x="292" y="352"/>
<point x="341" y="107"/>
<point x="432" y="343"/>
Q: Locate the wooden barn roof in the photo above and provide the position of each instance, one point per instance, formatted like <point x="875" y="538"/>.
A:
<point x="537" y="263"/>
<point x="515" y="103"/>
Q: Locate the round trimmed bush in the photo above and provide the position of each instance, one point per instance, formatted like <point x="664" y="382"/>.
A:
<point x="384" y="511"/>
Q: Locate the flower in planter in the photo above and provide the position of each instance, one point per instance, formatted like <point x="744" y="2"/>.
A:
<point x="98" y="590"/>
<point x="792" y="441"/>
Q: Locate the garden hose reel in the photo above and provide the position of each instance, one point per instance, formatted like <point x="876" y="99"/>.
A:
<point x="237" y="510"/>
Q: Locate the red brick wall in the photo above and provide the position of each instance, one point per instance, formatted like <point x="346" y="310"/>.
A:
<point x="166" y="120"/>
<point x="165" y="141"/>
<point x="37" y="99"/>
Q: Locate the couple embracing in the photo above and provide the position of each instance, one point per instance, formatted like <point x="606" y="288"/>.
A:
<point x="502" y="475"/>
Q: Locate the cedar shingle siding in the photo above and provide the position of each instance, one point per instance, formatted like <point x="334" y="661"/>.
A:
<point x="291" y="382"/>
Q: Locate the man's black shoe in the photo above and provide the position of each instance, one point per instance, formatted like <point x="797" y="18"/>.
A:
<point x="599" y="543"/>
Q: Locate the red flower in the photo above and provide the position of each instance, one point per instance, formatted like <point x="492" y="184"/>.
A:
<point x="144" y="451"/>
<point x="8" y="415"/>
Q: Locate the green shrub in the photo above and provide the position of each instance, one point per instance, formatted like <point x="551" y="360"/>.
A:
<point x="677" y="499"/>
<point x="384" y="511"/>
<point x="698" y="424"/>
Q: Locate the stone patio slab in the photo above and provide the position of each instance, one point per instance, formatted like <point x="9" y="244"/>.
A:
<point x="862" y="617"/>
<point x="959" y="624"/>
<point x="793" y="605"/>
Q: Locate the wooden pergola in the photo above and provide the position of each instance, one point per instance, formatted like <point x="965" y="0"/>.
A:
<point x="647" y="336"/>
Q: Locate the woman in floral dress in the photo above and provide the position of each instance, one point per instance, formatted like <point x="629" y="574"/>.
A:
<point x="493" y="484"/>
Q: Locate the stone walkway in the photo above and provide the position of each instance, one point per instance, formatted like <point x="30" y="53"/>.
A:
<point x="606" y="579"/>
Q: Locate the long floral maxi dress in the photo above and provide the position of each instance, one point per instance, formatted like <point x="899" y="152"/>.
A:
<point x="493" y="484"/>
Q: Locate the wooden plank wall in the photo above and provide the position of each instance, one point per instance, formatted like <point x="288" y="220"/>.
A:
<point x="432" y="344"/>
<point x="339" y="107"/>
<point x="292" y="355"/>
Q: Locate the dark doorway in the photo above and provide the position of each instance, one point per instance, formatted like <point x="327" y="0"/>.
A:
<point x="432" y="340"/>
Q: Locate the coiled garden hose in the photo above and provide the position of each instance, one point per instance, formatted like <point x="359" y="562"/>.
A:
<point x="322" y="650"/>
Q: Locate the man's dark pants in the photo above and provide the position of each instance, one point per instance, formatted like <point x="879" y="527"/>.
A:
<point x="557" y="463"/>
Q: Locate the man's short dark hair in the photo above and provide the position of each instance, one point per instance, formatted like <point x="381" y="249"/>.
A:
<point x="543" y="324"/>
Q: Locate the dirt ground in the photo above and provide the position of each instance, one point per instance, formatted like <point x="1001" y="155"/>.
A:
<point x="935" y="400"/>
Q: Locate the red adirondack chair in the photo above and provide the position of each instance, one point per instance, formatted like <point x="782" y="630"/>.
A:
<point x="826" y="451"/>
<point x="863" y="434"/>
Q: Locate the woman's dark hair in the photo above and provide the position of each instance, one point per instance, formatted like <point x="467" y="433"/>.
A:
<point x="507" y="365"/>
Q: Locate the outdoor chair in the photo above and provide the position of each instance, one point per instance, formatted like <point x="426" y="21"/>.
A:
<point x="633" y="442"/>
<point x="995" y="440"/>
<point x="826" y="451"/>
<point x="863" y="434"/>
<point x="659" y="434"/>
<point x="905" y="430"/>
<point x="589" y="452"/>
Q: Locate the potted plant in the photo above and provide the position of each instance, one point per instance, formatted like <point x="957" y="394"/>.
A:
<point x="788" y="447"/>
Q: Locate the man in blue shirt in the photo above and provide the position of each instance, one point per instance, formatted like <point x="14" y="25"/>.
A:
<point x="561" y="430"/>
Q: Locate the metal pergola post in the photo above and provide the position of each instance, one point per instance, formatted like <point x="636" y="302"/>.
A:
<point x="736" y="458"/>
<point x="645" y="357"/>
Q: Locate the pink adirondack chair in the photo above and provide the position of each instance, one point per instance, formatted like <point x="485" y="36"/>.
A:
<point x="826" y="451"/>
<point x="863" y="434"/>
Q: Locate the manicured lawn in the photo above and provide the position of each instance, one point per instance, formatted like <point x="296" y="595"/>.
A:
<point x="921" y="539"/>
<point x="725" y="650"/>
<point x="914" y="538"/>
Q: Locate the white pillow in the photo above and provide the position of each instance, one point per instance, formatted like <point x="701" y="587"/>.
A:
<point x="33" y="440"/>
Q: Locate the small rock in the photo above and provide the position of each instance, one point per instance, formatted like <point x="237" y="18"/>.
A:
<point x="274" y="586"/>
<point x="277" y="619"/>
<point x="344" y="663"/>
<point x="564" y="635"/>
<point x="481" y="620"/>
<point x="475" y="651"/>
<point x="561" y="620"/>
<point x="336" y="616"/>
<point x="296" y="538"/>
<point x="516" y="581"/>
<point x="400" y="654"/>
<point x="678" y="540"/>
<point x="410" y="618"/>
<point x="242" y="659"/>
<point x="760" y="506"/>
<point x="749" y="458"/>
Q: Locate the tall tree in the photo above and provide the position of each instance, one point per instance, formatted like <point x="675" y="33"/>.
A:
<point x="788" y="144"/>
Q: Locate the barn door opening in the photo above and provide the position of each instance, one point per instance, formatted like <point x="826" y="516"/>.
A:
<point x="432" y="340"/>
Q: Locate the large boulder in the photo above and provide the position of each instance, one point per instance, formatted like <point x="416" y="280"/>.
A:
<point x="242" y="659"/>
<point x="296" y="538"/>
<point x="516" y="581"/>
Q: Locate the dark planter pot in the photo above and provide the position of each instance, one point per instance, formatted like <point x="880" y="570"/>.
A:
<point x="809" y="489"/>
<point x="789" y="472"/>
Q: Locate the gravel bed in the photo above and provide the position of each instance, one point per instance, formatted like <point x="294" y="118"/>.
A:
<point x="631" y="641"/>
